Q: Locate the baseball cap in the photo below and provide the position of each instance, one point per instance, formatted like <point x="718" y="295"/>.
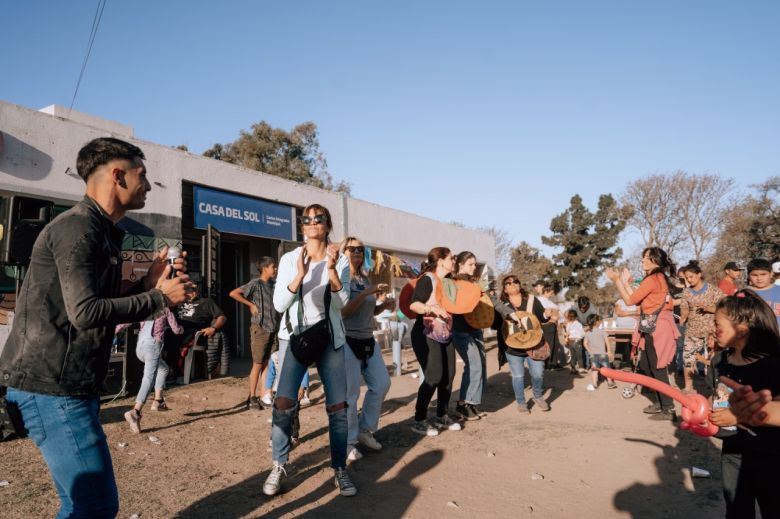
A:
<point x="776" y="267"/>
<point x="733" y="265"/>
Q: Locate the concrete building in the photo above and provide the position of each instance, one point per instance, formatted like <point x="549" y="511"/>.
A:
<point x="252" y="213"/>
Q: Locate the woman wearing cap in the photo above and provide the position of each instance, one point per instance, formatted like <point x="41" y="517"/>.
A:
<point x="308" y="277"/>
<point x="470" y="346"/>
<point x="653" y="298"/>
<point x="698" y="309"/>
<point x="513" y="299"/>
<point x="363" y="356"/>
<point x="431" y="342"/>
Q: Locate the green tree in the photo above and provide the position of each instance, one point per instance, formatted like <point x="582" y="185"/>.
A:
<point x="587" y="241"/>
<point x="529" y="264"/>
<point x="294" y="155"/>
<point x="751" y="228"/>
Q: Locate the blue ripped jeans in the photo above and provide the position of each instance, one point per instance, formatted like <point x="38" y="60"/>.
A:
<point x="332" y="371"/>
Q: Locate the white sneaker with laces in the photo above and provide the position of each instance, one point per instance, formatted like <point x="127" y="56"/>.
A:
<point x="445" y="422"/>
<point x="367" y="439"/>
<point x="273" y="483"/>
<point x="354" y="454"/>
<point x="590" y="387"/>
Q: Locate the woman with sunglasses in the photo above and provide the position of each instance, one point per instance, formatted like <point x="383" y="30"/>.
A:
<point x="513" y="299"/>
<point x="304" y="276"/>
<point x="363" y="356"/>
<point x="431" y="342"/>
<point x="658" y="346"/>
<point x="470" y="346"/>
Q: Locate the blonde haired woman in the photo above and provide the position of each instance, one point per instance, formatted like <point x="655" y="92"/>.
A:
<point x="362" y="356"/>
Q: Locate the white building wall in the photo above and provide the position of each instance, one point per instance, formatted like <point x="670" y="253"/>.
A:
<point x="38" y="157"/>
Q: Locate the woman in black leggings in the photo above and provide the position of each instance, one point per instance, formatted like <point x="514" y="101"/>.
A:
<point x="431" y="341"/>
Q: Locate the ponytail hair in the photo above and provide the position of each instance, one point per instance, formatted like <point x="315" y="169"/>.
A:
<point x="434" y="255"/>
<point x="692" y="266"/>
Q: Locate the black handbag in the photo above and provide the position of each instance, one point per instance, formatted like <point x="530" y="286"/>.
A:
<point x="647" y="322"/>
<point x="309" y="345"/>
<point x="362" y="348"/>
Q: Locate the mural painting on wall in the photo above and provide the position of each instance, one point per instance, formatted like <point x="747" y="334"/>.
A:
<point x="138" y="252"/>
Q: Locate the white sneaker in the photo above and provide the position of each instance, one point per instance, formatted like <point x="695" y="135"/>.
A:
<point x="354" y="454"/>
<point x="267" y="399"/>
<point x="424" y="428"/>
<point x="591" y="387"/>
<point x="304" y="401"/>
<point x="445" y="422"/>
<point x="273" y="483"/>
<point x="133" y="418"/>
<point x="367" y="439"/>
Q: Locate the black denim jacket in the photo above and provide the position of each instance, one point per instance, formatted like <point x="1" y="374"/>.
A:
<point x="69" y="305"/>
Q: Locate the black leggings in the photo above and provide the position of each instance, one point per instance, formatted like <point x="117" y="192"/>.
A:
<point x="748" y="478"/>
<point x="648" y="361"/>
<point x="438" y="364"/>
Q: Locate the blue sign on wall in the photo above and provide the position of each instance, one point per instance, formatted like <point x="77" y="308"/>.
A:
<point x="243" y="215"/>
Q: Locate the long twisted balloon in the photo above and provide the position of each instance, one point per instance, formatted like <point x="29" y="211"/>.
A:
<point x="695" y="407"/>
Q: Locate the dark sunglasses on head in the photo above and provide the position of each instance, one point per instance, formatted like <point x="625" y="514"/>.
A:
<point x="314" y="220"/>
<point x="511" y="282"/>
<point x="355" y="248"/>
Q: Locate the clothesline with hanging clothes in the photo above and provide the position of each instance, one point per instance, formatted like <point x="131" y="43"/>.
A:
<point x="377" y="262"/>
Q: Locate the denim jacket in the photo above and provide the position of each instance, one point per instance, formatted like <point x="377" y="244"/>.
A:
<point x="69" y="305"/>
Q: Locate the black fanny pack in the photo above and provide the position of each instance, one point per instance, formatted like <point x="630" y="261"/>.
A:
<point x="362" y="348"/>
<point x="308" y="345"/>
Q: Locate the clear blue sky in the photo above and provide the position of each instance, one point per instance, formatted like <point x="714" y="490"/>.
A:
<point x="489" y="113"/>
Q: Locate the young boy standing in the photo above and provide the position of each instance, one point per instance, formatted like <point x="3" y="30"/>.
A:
<point x="257" y="295"/>
<point x="574" y="335"/>
<point x="761" y="279"/>
<point x="595" y="343"/>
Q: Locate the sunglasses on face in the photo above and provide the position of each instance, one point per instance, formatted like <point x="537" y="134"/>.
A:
<point x="511" y="282"/>
<point x="314" y="220"/>
<point x="355" y="248"/>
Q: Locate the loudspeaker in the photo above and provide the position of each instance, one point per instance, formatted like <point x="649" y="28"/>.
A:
<point x="21" y="221"/>
<point x="115" y="377"/>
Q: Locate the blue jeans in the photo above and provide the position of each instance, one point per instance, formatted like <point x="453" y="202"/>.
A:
<point x="535" y="368"/>
<point x="471" y="349"/>
<point x="377" y="385"/>
<point x="68" y="433"/>
<point x="155" y="369"/>
<point x="272" y="368"/>
<point x="333" y="375"/>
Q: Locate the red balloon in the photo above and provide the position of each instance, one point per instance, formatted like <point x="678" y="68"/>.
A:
<point x="695" y="407"/>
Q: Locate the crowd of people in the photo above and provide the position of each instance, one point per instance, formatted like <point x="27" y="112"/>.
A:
<point x="317" y="307"/>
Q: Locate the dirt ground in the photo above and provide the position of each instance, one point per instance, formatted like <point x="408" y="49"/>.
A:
<point x="594" y="455"/>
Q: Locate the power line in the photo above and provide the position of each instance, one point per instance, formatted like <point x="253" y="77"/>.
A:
<point x="92" y="33"/>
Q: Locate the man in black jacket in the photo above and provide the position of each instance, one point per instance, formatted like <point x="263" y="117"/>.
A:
<point x="56" y="357"/>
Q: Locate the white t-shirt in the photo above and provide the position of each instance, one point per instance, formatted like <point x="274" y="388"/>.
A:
<point x="315" y="282"/>
<point x="575" y="330"/>
<point x="546" y="303"/>
<point x="626" y="322"/>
